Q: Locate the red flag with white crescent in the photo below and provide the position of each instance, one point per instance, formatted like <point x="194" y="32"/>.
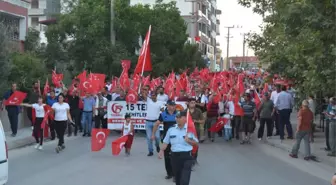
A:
<point x="56" y="79"/>
<point x="144" y="61"/>
<point x="118" y="144"/>
<point x="132" y="96"/>
<point x="98" y="138"/>
<point x="16" y="98"/>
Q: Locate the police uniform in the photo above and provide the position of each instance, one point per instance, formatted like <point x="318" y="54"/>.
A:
<point x="182" y="160"/>
<point x="168" y="121"/>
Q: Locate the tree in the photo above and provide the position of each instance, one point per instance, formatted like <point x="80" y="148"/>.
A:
<point x="27" y="68"/>
<point x="298" y="41"/>
<point x="168" y="39"/>
<point x="5" y="49"/>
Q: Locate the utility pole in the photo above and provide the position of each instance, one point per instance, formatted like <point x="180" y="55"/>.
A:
<point x="228" y="43"/>
<point x="112" y="32"/>
<point x="244" y="41"/>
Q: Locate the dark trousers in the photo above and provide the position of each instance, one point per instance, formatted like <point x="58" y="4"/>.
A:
<point x="182" y="163"/>
<point x="269" y="126"/>
<point x="60" y="127"/>
<point x="100" y="122"/>
<point x="284" y="121"/>
<point x="52" y="129"/>
<point x="13" y="116"/>
<point x="75" y="115"/>
<point x="276" y="122"/>
<point x="168" y="162"/>
<point x="38" y="131"/>
<point x="30" y="114"/>
<point x="236" y="126"/>
<point x="327" y="134"/>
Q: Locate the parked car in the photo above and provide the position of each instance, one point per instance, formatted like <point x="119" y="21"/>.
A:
<point x="3" y="156"/>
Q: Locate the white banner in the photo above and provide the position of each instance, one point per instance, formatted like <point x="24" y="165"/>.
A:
<point x="116" y="111"/>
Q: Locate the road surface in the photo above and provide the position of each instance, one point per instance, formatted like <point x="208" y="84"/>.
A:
<point x="220" y="163"/>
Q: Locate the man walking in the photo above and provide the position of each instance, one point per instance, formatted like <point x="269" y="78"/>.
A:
<point x="88" y="111"/>
<point x="181" y="145"/>
<point x="284" y="105"/>
<point x="12" y="111"/>
<point x="168" y="119"/>
<point x="152" y="115"/>
<point x="275" y="117"/>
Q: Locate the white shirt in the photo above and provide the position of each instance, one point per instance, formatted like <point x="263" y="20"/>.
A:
<point x="153" y="109"/>
<point x="231" y="107"/>
<point x="61" y="111"/>
<point x="39" y="110"/>
<point x="228" y="123"/>
<point x="274" y="97"/>
<point x="162" y="97"/>
<point x="221" y="107"/>
<point x="204" y="99"/>
<point x="127" y="129"/>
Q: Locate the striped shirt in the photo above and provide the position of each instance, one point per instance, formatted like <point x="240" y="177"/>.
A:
<point x="248" y="108"/>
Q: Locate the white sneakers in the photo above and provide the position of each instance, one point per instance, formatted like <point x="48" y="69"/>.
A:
<point x="39" y="147"/>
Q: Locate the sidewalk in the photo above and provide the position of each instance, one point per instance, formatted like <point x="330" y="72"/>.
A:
<point x="23" y="138"/>
<point x="317" y="148"/>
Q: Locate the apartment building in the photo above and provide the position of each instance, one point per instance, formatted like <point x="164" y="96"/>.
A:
<point x="14" y="14"/>
<point x="41" y="11"/>
<point x="202" y="19"/>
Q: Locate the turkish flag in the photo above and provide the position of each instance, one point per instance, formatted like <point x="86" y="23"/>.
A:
<point x="118" y="144"/>
<point x="90" y="86"/>
<point x="257" y="100"/>
<point x="219" y="125"/>
<point x="132" y="96"/>
<point x="46" y="88"/>
<point x="126" y="65"/>
<point x="98" y="139"/>
<point x="144" y="60"/>
<point x="98" y="79"/>
<point x="56" y="79"/>
<point x="191" y="129"/>
<point x="16" y="98"/>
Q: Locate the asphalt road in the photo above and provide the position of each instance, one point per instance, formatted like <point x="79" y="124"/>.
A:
<point x="220" y="163"/>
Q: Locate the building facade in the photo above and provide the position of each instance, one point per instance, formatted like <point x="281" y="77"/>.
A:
<point x="244" y="62"/>
<point x="14" y="14"/>
<point x="202" y="20"/>
<point x="41" y="11"/>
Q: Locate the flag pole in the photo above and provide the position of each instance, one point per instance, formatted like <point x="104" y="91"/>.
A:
<point x="144" y="60"/>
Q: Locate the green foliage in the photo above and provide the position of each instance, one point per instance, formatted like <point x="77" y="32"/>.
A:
<point x="27" y="68"/>
<point x="82" y="37"/>
<point x="298" y="41"/>
<point x="32" y="42"/>
<point x="5" y="46"/>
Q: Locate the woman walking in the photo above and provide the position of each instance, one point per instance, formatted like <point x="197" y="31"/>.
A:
<point x="39" y="114"/>
<point x="62" y="115"/>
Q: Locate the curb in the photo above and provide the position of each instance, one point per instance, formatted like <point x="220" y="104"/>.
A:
<point x="21" y="143"/>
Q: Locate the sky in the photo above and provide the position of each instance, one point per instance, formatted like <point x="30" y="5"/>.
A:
<point x="235" y="14"/>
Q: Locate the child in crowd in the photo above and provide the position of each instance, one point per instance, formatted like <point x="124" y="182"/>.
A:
<point x="128" y="129"/>
<point x="227" y="127"/>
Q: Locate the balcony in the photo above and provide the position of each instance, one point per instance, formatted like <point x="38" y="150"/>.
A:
<point x="204" y="37"/>
<point x="218" y="22"/>
<point x="213" y="18"/>
<point x="218" y="12"/>
<point x="36" y="12"/>
<point x="213" y="34"/>
<point x="205" y="21"/>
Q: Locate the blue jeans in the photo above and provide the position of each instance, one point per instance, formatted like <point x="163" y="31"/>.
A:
<point x="227" y="133"/>
<point x="87" y="122"/>
<point x="149" y="131"/>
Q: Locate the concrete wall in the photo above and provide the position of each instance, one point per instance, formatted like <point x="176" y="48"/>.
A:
<point x="23" y="120"/>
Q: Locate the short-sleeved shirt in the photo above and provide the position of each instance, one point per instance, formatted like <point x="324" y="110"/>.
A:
<point x="306" y="119"/>
<point x="61" y="111"/>
<point x="168" y="120"/>
<point x="175" y="136"/>
<point x="248" y="108"/>
<point x="266" y="109"/>
<point x="89" y="103"/>
<point x="39" y="110"/>
<point x="197" y="114"/>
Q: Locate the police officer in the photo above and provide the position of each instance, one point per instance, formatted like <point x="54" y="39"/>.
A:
<point x="181" y="146"/>
<point x="168" y="118"/>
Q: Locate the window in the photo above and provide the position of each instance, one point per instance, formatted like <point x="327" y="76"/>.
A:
<point x="204" y="9"/>
<point x="35" y="4"/>
<point x="34" y="21"/>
